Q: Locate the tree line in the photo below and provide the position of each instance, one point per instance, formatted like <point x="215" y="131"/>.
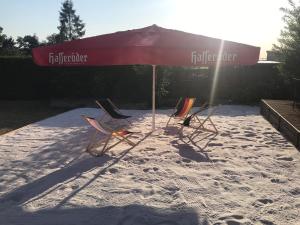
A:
<point x="70" y="27"/>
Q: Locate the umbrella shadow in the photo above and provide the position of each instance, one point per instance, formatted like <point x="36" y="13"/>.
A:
<point x="45" y="183"/>
<point x="66" y="149"/>
<point x="76" y="168"/>
<point x="57" y="150"/>
<point x="131" y="214"/>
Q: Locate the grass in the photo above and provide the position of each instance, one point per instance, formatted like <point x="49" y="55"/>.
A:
<point x="16" y="114"/>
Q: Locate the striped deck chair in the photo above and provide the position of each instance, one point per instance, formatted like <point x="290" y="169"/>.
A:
<point x="200" y="125"/>
<point x="111" y="110"/>
<point x="121" y="134"/>
<point x="182" y="109"/>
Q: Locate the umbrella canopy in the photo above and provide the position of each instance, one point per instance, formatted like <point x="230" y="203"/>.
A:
<point x="151" y="45"/>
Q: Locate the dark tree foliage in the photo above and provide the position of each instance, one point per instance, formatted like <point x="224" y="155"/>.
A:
<point x="288" y="47"/>
<point x="27" y="43"/>
<point x="71" y="26"/>
<point x="53" y="39"/>
<point x="2" y="37"/>
<point x="6" y="42"/>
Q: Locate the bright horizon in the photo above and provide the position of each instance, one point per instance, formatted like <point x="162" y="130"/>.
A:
<point x="252" y="22"/>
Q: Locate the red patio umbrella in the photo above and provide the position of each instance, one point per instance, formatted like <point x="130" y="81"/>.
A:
<point x="151" y="45"/>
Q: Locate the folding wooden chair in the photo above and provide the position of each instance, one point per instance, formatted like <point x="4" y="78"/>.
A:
<point x="200" y="125"/>
<point x="111" y="110"/>
<point x="182" y="109"/>
<point x="120" y="133"/>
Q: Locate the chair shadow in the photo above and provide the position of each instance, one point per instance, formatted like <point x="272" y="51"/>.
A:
<point x="203" y="136"/>
<point x="186" y="150"/>
<point x="171" y="130"/>
<point x="185" y="144"/>
<point x="132" y="214"/>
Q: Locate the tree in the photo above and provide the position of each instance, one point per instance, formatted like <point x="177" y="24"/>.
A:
<point x="27" y="43"/>
<point x="2" y="37"/>
<point x="53" y="38"/>
<point x="288" y="47"/>
<point x="71" y="26"/>
<point x="7" y="44"/>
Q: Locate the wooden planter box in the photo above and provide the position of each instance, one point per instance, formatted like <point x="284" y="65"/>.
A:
<point x="280" y="123"/>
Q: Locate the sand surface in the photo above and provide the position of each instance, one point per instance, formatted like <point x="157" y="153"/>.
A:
<point x="247" y="174"/>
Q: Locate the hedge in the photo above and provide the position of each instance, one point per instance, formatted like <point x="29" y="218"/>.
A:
<point x="21" y="79"/>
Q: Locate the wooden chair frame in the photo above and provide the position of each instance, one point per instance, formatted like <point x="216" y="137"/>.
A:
<point x="110" y="134"/>
<point x="200" y="125"/>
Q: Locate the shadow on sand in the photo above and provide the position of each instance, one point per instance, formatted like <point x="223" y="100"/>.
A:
<point x="109" y="215"/>
<point x="71" y="171"/>
<point x="186" y="146"/>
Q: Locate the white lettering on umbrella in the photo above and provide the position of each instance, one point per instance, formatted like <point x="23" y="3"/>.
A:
<point x="207" y="57"/>
<point x="60" y="58"/>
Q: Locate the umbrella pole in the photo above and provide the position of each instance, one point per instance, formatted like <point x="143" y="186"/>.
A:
<point x="153" y="96"/>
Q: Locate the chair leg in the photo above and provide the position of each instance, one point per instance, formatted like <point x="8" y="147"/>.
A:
<point x="110" y="147"/>
<point x="120" y="137"/>
<point x="201" y="127"/>
<point x="197" y="129"/>
<point x="197" y="118"/>
<point x="180" y="132"/>
<point x="169" y="121"/>
<point x="91" y="142"/>
<point x="214" y="126"/>
<point x="105" y="144"/>
<point x="179" y="100"/>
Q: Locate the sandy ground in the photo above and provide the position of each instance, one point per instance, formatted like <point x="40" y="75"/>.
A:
<point x="247" y="174"/>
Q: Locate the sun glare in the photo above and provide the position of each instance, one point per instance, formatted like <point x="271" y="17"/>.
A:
<point x="216" y="75"/>
<point x="234" y="20"/>
<point x="216" y="18"/>
<point x="208" y="18"/>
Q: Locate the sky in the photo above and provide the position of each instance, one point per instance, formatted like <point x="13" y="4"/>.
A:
<point x="253" y="22"/>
